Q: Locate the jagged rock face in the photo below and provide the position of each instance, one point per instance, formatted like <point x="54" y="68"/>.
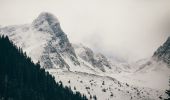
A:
<point x="51" y="57"/>
<point x="163" y="53"/>
<point x="44" y="41"/>
<point x="46" y="22"/>
<point x="96" y="60"/>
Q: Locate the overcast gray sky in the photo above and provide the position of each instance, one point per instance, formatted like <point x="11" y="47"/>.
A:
<point x="133" y="29"/>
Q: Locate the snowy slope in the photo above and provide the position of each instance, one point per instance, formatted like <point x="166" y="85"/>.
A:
<point x="80" y="67"/>
<point x="105" y="88"/>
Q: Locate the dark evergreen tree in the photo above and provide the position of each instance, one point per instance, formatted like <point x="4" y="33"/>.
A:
<point x="21" y="79"/>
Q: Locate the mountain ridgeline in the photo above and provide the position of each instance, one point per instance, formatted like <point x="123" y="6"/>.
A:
<point x="21" y="79"/>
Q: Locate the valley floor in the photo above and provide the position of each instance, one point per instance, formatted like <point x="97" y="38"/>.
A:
<point x="121" y="87"/>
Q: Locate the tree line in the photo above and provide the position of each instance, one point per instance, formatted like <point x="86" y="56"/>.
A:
<point x="21" y="79"/>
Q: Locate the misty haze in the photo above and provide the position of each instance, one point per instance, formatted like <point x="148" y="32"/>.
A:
<point x="85" y="50"/>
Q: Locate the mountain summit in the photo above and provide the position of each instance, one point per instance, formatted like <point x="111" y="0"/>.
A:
<point x="47" y="22"/>
<point x="46" y="16"/>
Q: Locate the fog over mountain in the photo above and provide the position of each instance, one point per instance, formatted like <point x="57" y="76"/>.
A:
<point x="131" y="29"/>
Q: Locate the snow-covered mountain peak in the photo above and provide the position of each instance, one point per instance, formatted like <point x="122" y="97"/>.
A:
<point x="46" y="16"/>
<point x="47" y="22"/>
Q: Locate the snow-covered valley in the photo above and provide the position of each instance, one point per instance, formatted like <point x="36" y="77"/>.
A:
<point x="105" y="87"/>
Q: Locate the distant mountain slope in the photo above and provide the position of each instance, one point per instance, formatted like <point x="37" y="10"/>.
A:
<point x="21" y="79"/>
<point x="153" y="72"/>
<point x="96" y="60"/>
<point x="163" y="52"/>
